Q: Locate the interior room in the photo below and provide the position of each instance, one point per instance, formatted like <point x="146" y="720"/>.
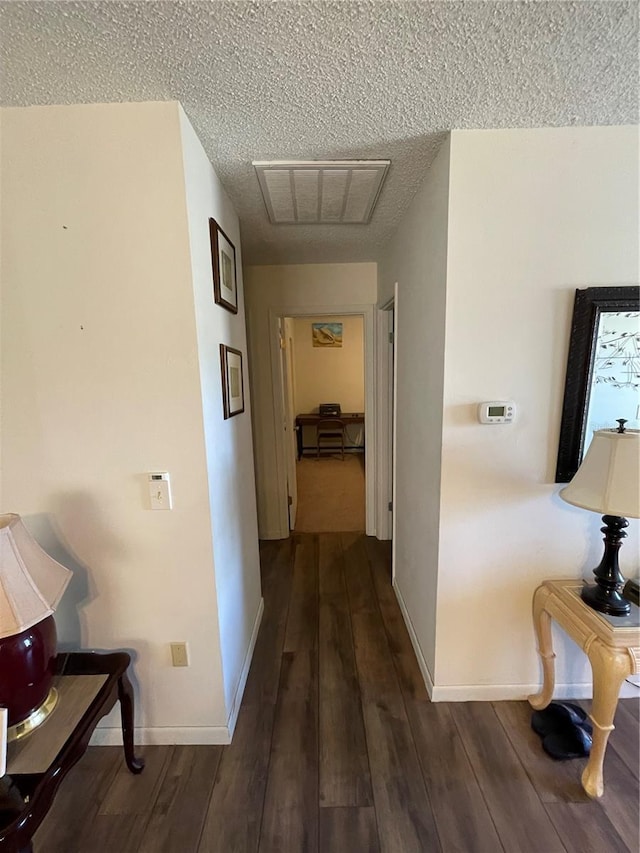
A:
<point x="193" y="194"/>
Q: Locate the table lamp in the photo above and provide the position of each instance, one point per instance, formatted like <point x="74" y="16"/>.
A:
<point x="31" y="585"/>
<point x="608" y="482"/>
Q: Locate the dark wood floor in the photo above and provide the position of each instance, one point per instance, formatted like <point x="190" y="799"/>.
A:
<point x="337" y="747"/>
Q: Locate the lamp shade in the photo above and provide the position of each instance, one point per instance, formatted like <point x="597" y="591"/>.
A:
<point x="31" y="582"/>
<point x="608" y="480"/>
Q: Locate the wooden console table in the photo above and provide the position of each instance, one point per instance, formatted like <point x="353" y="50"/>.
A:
<point x="612" y="644"/>
<point x="27" y="792"/>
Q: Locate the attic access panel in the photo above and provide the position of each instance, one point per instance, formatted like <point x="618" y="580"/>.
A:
<point x="322" y="192"/>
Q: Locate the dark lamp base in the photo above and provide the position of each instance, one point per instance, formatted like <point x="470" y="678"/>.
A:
<point x="27" y="663"/>
<point x="36" y="718"/>
<point x="605" y="601"/>
<point x="605" y="596"/>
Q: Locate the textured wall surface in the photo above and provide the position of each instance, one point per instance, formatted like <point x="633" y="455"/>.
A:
<point x="263" y="80"/>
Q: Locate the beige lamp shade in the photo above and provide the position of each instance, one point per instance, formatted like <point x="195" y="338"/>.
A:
<point x="31" y="582"/>
<point x="608" y="480"/>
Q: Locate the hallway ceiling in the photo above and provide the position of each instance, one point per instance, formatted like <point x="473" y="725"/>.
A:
<point x="329" y="79"/>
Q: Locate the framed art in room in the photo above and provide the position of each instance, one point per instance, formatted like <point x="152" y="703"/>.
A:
<point x="223" y="262"/>
<point x="232" y="382"/>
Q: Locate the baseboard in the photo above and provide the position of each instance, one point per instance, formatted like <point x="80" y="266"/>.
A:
<point x="511" y="692"/>
<point x="495" y="692"/>
<point x="424" y="669"/>
<point x="237" y="699"/>
<point x="165" y="735"/>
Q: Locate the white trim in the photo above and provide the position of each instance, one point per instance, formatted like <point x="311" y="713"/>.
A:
<point x="424" y="669"/>
<point x="394" y="455"/>
<point x="384" y="380"/>
<point x="237" y="699"/>
<point x="367" y="312"/>
<point x="499" y="692"/>
<point x="164" y="736"/>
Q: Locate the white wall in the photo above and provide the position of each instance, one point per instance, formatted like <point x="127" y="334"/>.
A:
<point x="101" y="384"/>
<point x="228" y="443"/>
<point x="533" y="214"/>
<point x="416" y="258"/>
<point x="268" y="289"/>
<point x="330" y="374"/>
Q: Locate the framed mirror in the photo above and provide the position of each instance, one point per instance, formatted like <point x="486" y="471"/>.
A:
<point x="603" y="370"/>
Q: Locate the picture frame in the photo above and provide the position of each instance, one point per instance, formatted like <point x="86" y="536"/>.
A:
<point x="223" y="262"/>
<point x="232" y="381"/>
<point x="326" y="335"/>
<point x="591" y="306"/>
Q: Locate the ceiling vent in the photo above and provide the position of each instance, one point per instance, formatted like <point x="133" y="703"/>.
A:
<point x="324" y="192"/>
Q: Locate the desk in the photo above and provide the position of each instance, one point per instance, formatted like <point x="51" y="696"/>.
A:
<point x="612" y="644"/>
<point x="311" y="419"/>
<point x="26" y="797"/>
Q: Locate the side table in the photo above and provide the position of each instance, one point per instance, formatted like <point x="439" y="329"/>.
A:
<point x="612" y="644"/>
<point x="26" y="797"/>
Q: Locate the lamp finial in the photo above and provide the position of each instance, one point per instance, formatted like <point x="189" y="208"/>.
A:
<point x="622" y="422"/>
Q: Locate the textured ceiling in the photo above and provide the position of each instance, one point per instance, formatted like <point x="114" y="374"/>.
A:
<point x="347" y="79"/>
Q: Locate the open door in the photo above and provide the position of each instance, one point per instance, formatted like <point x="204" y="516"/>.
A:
<point x="288" y="387"/>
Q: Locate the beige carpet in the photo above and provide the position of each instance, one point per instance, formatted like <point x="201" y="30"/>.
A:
<point x="331" y="494"/>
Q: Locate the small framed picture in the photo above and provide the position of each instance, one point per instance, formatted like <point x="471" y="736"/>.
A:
<point x="232" y="382"/>
<point x="223" y="261"/>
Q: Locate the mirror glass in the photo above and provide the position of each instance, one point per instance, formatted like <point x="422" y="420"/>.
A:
<point x="615" y="381"/>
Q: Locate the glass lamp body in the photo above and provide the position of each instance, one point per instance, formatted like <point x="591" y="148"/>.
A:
<point x="27" y="665"/>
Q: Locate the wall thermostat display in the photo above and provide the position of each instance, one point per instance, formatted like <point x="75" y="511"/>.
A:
<point x="496" y="412"/>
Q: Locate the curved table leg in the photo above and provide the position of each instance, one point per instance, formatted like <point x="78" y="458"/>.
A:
<point x="125" y="695"/>
<point x="542" y="625"/>
<point x="610" y="667"/>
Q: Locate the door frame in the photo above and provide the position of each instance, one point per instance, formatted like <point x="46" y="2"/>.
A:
<point x="370" y="418"/>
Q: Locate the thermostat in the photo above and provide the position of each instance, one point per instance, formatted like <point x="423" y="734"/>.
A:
<point x="496" y="412"/>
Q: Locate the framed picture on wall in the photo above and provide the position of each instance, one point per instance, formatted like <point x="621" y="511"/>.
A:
<point x="232" y="382"/>
<point x="223" y="262"/>
<point x="326" y="334"/>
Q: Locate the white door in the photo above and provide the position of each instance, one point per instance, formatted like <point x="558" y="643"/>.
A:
<point x="288" y="388"/>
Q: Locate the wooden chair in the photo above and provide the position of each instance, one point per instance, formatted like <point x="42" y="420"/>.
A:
<point x="330" y="431"/>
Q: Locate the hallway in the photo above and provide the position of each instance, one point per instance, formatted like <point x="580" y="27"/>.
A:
<point x="338" y="749"/>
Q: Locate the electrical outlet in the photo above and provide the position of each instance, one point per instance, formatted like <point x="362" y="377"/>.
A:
<point x="180" y="654"/>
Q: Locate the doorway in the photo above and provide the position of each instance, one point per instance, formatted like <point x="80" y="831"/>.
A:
<point x="323" y="373"/>
<point x="288" y="405"/>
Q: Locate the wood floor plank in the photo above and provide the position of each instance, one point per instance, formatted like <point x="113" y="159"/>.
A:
<point x="362" y="596"/>
<point x="290" y="817"/>
<point x="179" y="812"/>
<point x="302" y="621"/>
<point x="235" y="812"/>
<point x="344" y="762"/>
<point x="462" y="818"/>
<point x="409" y="675"/>
<point x="621" y="800"/>
<point x="405" y="820"/>
<point x="580" y="833"/>
<point x="554" y="781"/>
<point x="111" y="832"/>
<point x="131" y="794"/>
<point x="264" y="674"/>
<point x="625" y="738"/>
<point x="78" y="800"/>
<point x="511" y="798"/>
<point x="348" y="829"/>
